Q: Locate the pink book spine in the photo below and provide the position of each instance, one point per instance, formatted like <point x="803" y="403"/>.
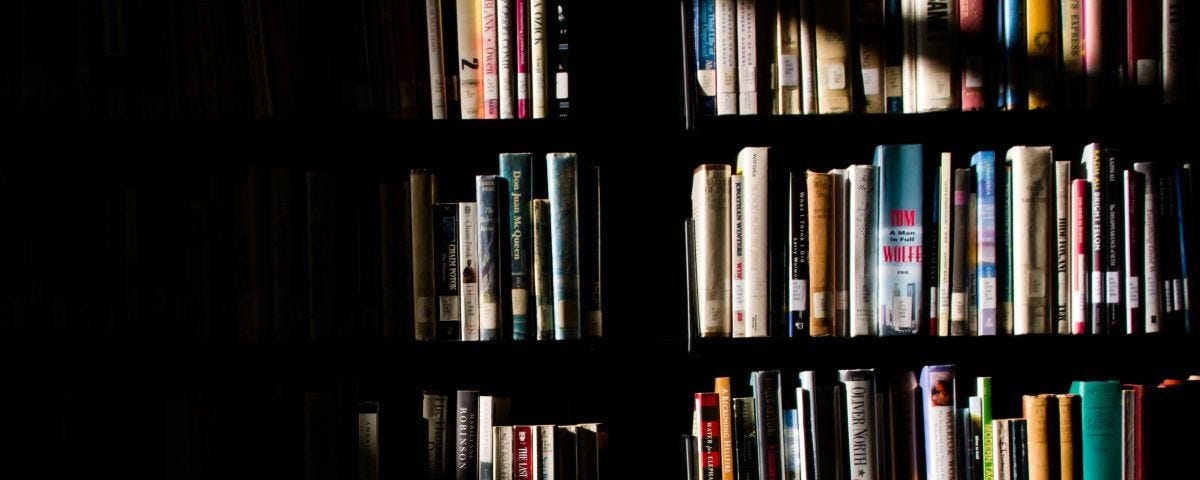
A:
<point x="522" y="64"/>
<point x="491" y="62"/>
<point x="1080" y="236"/>
<point x="974" y="53"/>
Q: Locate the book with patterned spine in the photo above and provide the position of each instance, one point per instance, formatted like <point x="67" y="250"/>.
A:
<point x="468" y="241"/>
<point x="490" y="194"/>
<point x="470" y="58"/>
<point x="562" y="175"/>
<point x="939" y="407"/>
<point x="901" y="238"/>
<point x="516" y="169"/>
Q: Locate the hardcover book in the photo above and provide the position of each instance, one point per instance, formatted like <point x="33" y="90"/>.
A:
<point x="516" y="169"/>
<point x="901" y="238"/>
<point x="561" y="171"/>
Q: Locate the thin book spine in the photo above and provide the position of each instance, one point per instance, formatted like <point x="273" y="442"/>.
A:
<point x="516" y="169"/>
<point x="863" y="246"/>
<point x="468" y="238"/>
<point x="798" y="260"/>
<point x="543" y="290"/>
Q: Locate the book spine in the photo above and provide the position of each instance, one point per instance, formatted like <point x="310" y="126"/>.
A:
<point x="468" y="242"/>
<point x="787" y="59"/>
<point x="437" y="74"/>
<point x="705" y="42"/>
<point x="710" y="435"/>
<point x="909" y="65"/>
<point x="1041" y="47"/>
<point x="972" y="18"/>
<point x="958" y="298"/>
<point x="516" y="170"/>
<point x="1001" y="446"/>
<point x="986" y="228"/>
<point x="983" y="389"/>
<point x="870" y="54"/>
<point x="901" y="238"/>
<point x="791" y="443"/>
<point x="283" y="233"/>
<point x="470" y="54"/>
<point x="1094" y="166"/>
<point x="485" y="445"/>
<point x="1133" y="250"/>
<point x="808" y="72"/>
<point x="1069" y="459"/>
<point x="1128" y="434"/>
<point x="859" y="388"/>
<point x="832" y="31"/>
<point x="543" y="289"/>
<point x="841" y="200"/>
<point x="446" y="255"/>
<point x="466" y="421"/>
<point x="820" y="271"/>
<point x="798" y="321"/>
<point x="523" y="60"/>
<point x="1032" y="176"/>
<point x="1152" y="301"/>
<point x="1114" y="247"/>
<point x="502" y="452"/>
<point x="1166" y="223"/>
<point x="491" y="252"/>
<point x="972" y="264"/>
<point x="747" y="58"/>
<point x="1177" y="72"/>
<point x="539" y="81"/>
<point x="433" y="410"/>
<point x="1101" y="428"/>
<point x="1006" y="271"/>
<point x="737" y="254"/>
<point x="1071" y="33"/>
<point x="562" y="100"/>
<point x="1094" y="47"/>
<point x="524" y="446"/>
<point x="1016" y="58"/>
<point x="937" y="35"/>
<point x="589" y="252"/>
<point x="546" y="452"/>
<point x="1062" y="244"/>
<point x="863" y="220"/>
<point x="725" y="410"/>
<point x="727" y="57"/>
<point x="1080" y="264"/>
<point x="746" y="448"/>
<point x="710" y="212"/>
<point x="1036" y="411"/>
<point x="561" y="170"/>
<point x="945" y="238"/>
<point x="768" y="415"/>
<point x="506" y="72"/>
<point x="423" y="195"/>
<point x="1183" y="201"/>
<point x="491" y="63"/>
<point x="368" y="441"/>
<point x="893" y="51"/>
<point x="1142" y="66"/>
<point x="752" y="165"/>
<point x="937" y="387"/>
<point x="806" y="424"/>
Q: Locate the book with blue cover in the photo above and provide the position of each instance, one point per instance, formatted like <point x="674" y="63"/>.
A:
<point x="901" y="238"/>
<point x="516" y="168"/>
<point x="561" y="174"/>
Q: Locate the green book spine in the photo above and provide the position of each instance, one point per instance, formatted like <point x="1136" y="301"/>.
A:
<point x="1101" y="415"/>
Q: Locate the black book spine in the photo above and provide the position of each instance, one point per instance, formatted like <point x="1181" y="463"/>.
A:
<point x="1114" y="245"/>
<point x="1183" y="200"/>
<point x="958" y="268"/>
<point x="689" y="457"/>
<point x="798" y="256"/>
<point x="1167" y="226"/>
<point x="768" y="429"/>
<point x="589" y="251"/>
<point x="779" y="251"/>
<point x="445" y="254"/>
<point x="450" y="57"/>
<point x="745" y="440"/>
<point x="692" y="314"/>
<point x="466" y="421"/>
<point x="321" y="278"/>
<point x="1095" y="166"/>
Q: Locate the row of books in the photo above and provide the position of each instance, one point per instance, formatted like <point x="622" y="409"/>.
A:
<point x="509" y="266"/>
<point x="470" y="438"/>
<point x="901" y="56"/>
<point x="1007" y="246"/>
<point x="271" y="58"/>
<point x="868" y="424"/>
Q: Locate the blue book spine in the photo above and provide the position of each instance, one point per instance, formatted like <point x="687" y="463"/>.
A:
<point x="901" y="238"/>
<point x="938" y="406"/>
<point x="985" y="230"/>
<point x="791" y="442"/>
<point x="515" y="168"/>
<point x="491" y="253"/>
<point x="893" y="45"/>
<point x="1183" y="200"/>
<point x="561" y="175"/>
<point x="704" y="31"/>
<point x="1016" y="89"/>
<point x="998" y="56"/>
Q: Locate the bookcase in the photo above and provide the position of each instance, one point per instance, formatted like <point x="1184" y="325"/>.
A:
<point x="107" y="379"/>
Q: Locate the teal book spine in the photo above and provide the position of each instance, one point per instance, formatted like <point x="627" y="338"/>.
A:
<point x="562" y="179"/>
<point x="515" y="167"/>
<point x="901" y="238"/>
<point x="1102" y="440"/>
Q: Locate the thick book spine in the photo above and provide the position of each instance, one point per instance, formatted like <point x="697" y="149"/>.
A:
<point x="1062" y="244"/>
<point x="423" y="194"/>
<point x="987" y="216"/>
<point x="972" y="264"/>
<point x="1184" y="224"/>
<point x="1016" y="80"/>
<point x="725" y="414"/>
<point x="752" y="165"/>
<point x="709" y="435"/>
<point x="1093" y="164"/>
<point x="489" y="194"/>
<point x="863" y="216"/>
<point x="524" y="452"/>
<point x="522" y="57"/>
<point x="791" y="443"/>
<point x="437" y="73"/>
<point x="859" y="388"/>
<point x="468" y="242"/>
<point x="466" y="421"/>
<point x="938" y="400"/>
<point x="1041" y="48"/>
<point x="516" y="168"/>
<point x="446" y="262"/>
<point x="834" y="75"/>
<point x="841" y="199"/>
<point x="1071" y="33"/>
<point x="710" y="212"/>
<point x="1032" y="179"/>
<point x="1037" y="411"/>
<point x="937" y="36"/>
<point x="727" y="57"/>
<point x="1178" y="72"/>
<point x="798" y="320"/>
<point x="543" y="278"/>
<point x="870" y="54"/>
<point x="704" y="42"/>
<point x="902" y="425"/>
<point x="561" y="170"/>
<point x="768" y="417"/>
<point x="539" y="64"/>
<point x="591" y="314"/>
<point x="958" y="284"/>
<point x="901" y="238"/>
<point x="820" y="273"/>
<point x="1133" y="236"/>
<point x="894" y="28"/>
<point x="491" y="62"/>
<point x="506" y="72"/>
<point x="747" y="57"/>
<point x="1135" y="432"/>
<point x="1101" y="431"/>
<point x="737" y="254"/>
<point x="1151" y="300"/>
<point x="562" y="97"/>
<point x="945" y="242"/>
<point x="787" y="59"/>
<point x="1081" y="265"/>
<point x="1166" y="225"/>
<point x="470" y="58"/>
<point x="972" y="22"/>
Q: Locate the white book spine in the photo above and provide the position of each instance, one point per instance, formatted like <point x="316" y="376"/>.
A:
<point x="859" y="388"/>
<point x="752" y="165"/>
<point x="747" y="58"/>
<point x="737" y="254"/>
<point x="945" y="233"/>
<point x="538" y="58"/>
<point x="1153" y="298"/>
<point x="491" y="62"/>
<point x="808" y="74"/>
<point x="710" y="212"/>
<point x="863" y="246"/>
<point x="1062" y="214"/>
<point x="908" y="65"/>
<point x="505" y="44"/>
<point x="1031" y="180"/>
<point x="727" y="57"/>
<point x="470" y="53"/>
<point x="486" y="462"/>
<point x="1175" y="63"/>
<point x="437" y="72"/>
<point x="545" y="438"/>
<point x="937" y="29"/>
<point x="787" y="59"/>
<point x="468" y="238"/>
<point x="502" y="455"/>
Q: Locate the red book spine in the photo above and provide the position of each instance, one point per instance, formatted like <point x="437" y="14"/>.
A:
<point x="1142" y="36"/>
<point x="522" y="452"/>
<point x="974" y="53"/>
<point x="710" y="435"/>
<point x="522" y="55"/>
<point x="1080" y="236"/>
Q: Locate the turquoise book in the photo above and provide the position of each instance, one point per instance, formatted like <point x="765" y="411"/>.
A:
<point x="986" y="242"/>
<point x="900" y="238"/>
<point x="562" y="180"/>
<point x="1102" y="423"/>
<point x="515" y="167"/>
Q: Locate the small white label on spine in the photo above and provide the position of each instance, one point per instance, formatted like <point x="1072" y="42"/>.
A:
<point x="1178" y="295"/>
<point x="958" y="306"/>
<point x="747" y="77"/>
<point x="893" y="76"/>
<point x="798" y="292"/>
<point x="941" y="85"/>
<point x="520" y="298"/>
<point x="1147" y="72"/>
<point x="803" y="298"/>
<point x="1113" y="287"/>
<point x="791" y="70"/>
<point x="843" y="300"/>
<point x="870" y="81"/>
<point x="728" y="80"/>
<point x="1131" y="292"/>
<point x="987" y="297"/>
<point x="835" y="76"/>
<point x="974" y="69"/>
<point x="560" y="85"/>
<point x="708" y="82"/>
<point x="1077" y="307"/>
<point x="1097" y="287"/>
<point x="1036" y="283"/>
<point x="522" y="86"/>
<point x="487" y="317"/>
<point x="903" y="311"/>
<point x="820" y="305"/>
<point x="1186" y="301"/>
